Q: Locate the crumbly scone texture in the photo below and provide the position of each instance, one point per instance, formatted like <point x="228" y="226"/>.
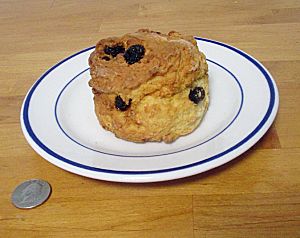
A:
<point x="156" y="88"/>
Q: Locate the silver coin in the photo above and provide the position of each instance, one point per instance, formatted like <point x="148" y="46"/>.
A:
<point x="31" y="193"/>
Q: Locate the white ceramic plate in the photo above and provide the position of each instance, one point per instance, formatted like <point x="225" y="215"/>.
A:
<point x="59" y="122"/>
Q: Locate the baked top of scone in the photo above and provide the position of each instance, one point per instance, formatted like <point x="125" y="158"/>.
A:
<point x="120" y="64"/>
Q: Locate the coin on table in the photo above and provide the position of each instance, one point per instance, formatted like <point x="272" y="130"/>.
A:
<point x="31" y="193"/>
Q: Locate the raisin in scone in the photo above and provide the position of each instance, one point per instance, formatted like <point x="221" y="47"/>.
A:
<point x="149" y="86"/>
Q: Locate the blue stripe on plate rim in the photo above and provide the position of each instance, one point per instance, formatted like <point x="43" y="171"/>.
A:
<point x="153" y="155"/>
<point x="86" y="167"/>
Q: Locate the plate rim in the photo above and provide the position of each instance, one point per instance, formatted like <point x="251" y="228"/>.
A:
<point x="255" y="135"/>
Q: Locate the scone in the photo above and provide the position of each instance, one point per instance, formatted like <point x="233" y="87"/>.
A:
<point x="149" y="86"/>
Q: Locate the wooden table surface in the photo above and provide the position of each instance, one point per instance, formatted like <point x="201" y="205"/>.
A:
<point x="255" y="195"/>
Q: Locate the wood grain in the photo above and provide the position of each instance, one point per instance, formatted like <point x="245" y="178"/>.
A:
<point x="256" y="195"/>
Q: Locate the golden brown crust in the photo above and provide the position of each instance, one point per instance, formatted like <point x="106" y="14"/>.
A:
<point x="157" y="86"/>
<point x="163" y="55"/>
